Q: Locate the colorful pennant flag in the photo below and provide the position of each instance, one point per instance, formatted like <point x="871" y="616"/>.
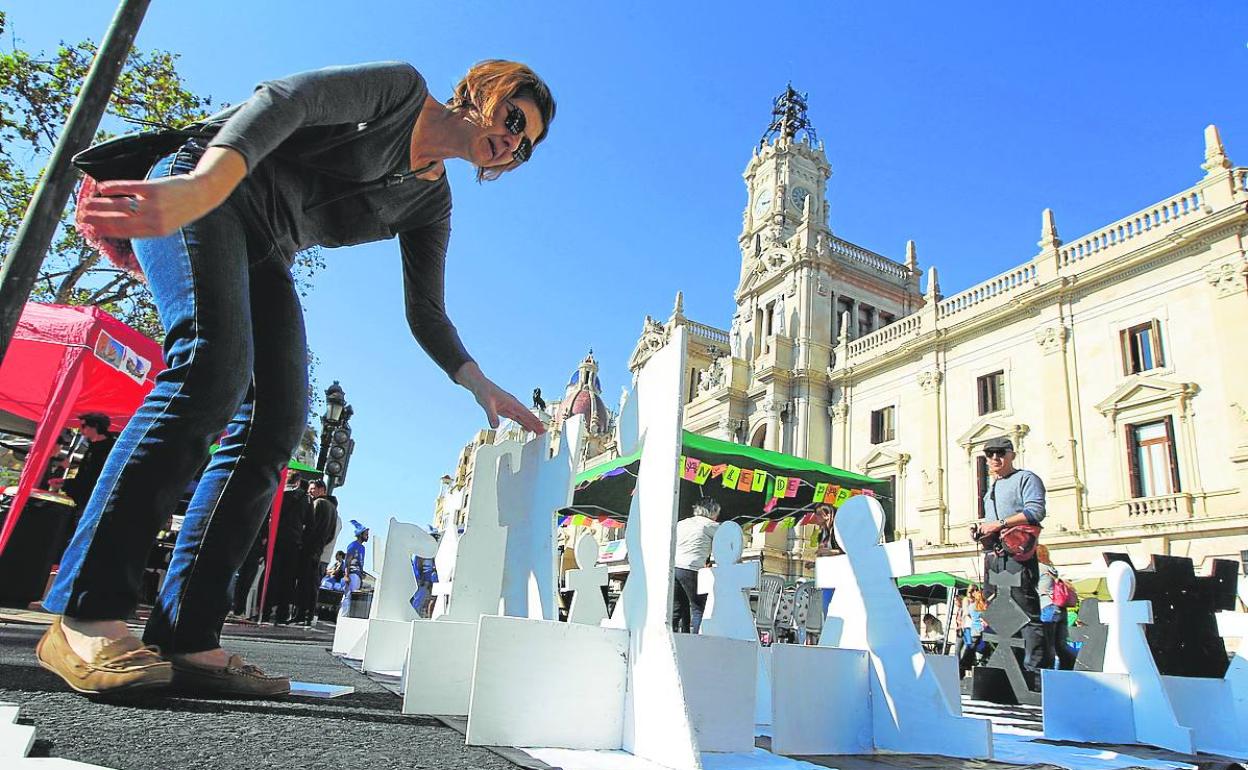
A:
<point x="732" y="474"/>
<point x="782" y="485"/>
<point x="691" y="468"/>
<point x="772" y="525"/>
<point x="746" y="480"/>
<point x="718" y="470"/>
<point x="869" y="492"/>
<point x="771" y="504"/>
<point x="791" y="490"/>
<point x="760" y="481"/>
<point x="821" y="489"/>
<point x="703" y="473"/>
<point x="841" y="496"/>
<point x="830" y="496"/>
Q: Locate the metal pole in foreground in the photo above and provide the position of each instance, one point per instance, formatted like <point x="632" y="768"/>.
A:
<point x="20" y="270"/>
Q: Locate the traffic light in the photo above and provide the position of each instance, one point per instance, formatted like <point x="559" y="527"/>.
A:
<point x="338" y="448"/>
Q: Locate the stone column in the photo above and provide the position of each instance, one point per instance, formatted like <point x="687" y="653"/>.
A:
<point x="931" y="506"/>
<point x="1064" y="499"/>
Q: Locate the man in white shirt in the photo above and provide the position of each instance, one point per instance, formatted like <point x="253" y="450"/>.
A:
<point x="693" y="548"/>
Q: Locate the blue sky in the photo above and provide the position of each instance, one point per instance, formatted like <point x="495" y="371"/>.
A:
<point x="953" y="124"/>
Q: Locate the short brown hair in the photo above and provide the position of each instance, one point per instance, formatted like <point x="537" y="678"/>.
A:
<point x="492" y="81"/>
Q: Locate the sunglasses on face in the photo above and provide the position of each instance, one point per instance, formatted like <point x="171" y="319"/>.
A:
<point x="994" y="453"/>
<point x="515" y="124"/>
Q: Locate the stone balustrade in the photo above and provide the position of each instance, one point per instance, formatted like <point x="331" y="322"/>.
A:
<point x="888" y="337"/>
<point x="1176" y="506"/>
<point x="1133" y="231"/>
<point x="708" y="333"/>
<point x="1007" y="283"/>
<point x="854" y="253"/>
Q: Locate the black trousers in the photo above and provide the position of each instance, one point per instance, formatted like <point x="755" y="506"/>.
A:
<point x="308" y="581"/>
<point x="687" y="604"/>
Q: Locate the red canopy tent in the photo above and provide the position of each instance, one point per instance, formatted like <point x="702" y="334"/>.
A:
<point x="64" y="361"/>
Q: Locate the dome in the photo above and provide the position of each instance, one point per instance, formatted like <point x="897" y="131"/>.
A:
<point x="583" y="396"/>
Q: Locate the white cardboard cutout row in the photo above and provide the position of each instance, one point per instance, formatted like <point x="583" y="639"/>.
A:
<point x="910" y="712"/>
<point x="727" y="585"/>
<point x="386" y="644"/>
<point x="586" y="583"/>
<point x="1130" y="682"/>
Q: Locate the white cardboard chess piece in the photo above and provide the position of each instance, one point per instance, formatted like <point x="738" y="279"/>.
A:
<point x="445" y="560"/>
<point x="586" y="582"/>
<point x="385" y="647"/>
<point x="655" y="716"/>
<point x="727" y="605"/>
<point x="881" y="655"/>
<point x="1132" y="704"/>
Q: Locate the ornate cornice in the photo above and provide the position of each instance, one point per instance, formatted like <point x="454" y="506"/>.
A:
<point x="1052" y="339"/>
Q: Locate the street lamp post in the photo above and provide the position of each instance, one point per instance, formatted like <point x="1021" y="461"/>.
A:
<point x="336" y="442"/>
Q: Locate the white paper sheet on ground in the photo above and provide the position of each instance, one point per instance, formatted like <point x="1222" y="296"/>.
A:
<point x="727" y="605"/>
<point x="570" y="759"/>
<point x="532" y="488"/>
<point x="586" y="583"/>
<point x="1019" y="747"/>
<point x="478" y="574"/>
<point x="524" y="665"/>
<point x="350" y="635"/>
<point x="657" y="725"/>
<point x="318" y="690"/>
<point x="438" y="676"/>
<point x="821" y="702"/>
<point x="9" y="712"/>
<point x="909" y="709"/>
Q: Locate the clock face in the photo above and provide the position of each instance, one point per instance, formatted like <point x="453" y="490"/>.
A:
<point x="762" y="201"/>
<point x="799" y="195"/>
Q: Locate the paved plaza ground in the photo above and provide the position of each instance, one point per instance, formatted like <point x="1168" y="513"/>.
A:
<point x="365" y="730"/>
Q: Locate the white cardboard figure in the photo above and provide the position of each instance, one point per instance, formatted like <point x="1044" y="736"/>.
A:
<point x="727" y="605"/>
<point x="910" y="712"/>
<point x="586" y="582"/>
<point x="656" y="720"/>
<point x="532" y="487"/>
<point x="385" y="647"/>
<point x="445" y="560"/>
<point x="1133" y="705"/>
<point x="15" y="740"/>
<point x="1234" y="625"/>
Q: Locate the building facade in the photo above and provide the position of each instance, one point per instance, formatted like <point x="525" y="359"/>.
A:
<point x="1113" y="360"/>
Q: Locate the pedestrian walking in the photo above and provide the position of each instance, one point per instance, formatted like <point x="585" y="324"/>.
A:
<point x="693" y="547"/>
<point x="332" y="157"/>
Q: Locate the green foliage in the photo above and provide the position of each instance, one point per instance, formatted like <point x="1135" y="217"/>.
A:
<point x="37" y="92"/>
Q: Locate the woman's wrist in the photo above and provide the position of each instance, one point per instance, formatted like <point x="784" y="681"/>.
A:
<point x="218" y="172"/>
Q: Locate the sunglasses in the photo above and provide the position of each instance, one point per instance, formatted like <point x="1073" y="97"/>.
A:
<point x="994" y="453"/>
<point x="515" y="124"/>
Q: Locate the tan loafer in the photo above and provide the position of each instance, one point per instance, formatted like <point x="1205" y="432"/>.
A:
<point x="122" y="666"/>
<point x="236" y="680"/>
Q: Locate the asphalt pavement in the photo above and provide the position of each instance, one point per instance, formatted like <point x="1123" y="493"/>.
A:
<point x="360" y="731"/>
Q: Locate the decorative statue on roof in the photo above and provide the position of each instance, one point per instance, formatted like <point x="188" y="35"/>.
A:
<point x="538" y="401"/>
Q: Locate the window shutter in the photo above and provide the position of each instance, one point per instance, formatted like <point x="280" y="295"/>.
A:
<point x="1124" y="342"/>
<point x="1133" y="462"/>
<point x="1159" y="357"/>
<point x="1174" y="456"/>
<point x="983" y="392"/>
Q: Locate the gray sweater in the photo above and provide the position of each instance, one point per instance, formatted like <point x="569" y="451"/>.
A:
<point x="328" y="159"/>
<point x="1021" y="491"/>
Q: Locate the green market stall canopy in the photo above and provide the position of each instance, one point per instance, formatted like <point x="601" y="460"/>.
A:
<point x="752" y="485"/>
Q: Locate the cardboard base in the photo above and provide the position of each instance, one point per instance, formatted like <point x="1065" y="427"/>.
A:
<point x="438" y="677"/>
<point x="820" y="701"/>
<point x="762" y="687"/>
<point x="1069" y="717"/>
<point x="350" y="635"/>
<point x="1207" y="706"/>
<point x="385" y="651"/>
<point x="719" y="678"/>
<point x="950" y="677"/>
<point x="524" y="665"/>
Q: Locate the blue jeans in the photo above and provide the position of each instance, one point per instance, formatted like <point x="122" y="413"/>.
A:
<point x="236" y="357"/>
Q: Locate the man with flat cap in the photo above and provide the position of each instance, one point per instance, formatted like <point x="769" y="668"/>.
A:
<point x="1015" y="498"/>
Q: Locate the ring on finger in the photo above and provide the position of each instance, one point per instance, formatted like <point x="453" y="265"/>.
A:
<point x="134" y="205"/>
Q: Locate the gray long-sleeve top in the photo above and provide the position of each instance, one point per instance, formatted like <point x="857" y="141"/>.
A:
<point x="1020" y="492"/>
<point x="327" y="155"/>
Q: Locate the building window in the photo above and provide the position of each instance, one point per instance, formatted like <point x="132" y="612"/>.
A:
<point x="695" y="377"/>
<point x="866" y="315"/>
<point x="886" y="319"/>
<point x="1141" y="348"/>
<point x="991" y="392"/>
<point x="845" y="305"/>
<point x="1152" y="459"/>
<point x="883" y="428"/>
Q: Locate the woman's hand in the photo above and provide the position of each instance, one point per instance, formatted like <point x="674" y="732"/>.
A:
<point x="152" y="208"/>
<point x="495" y="401"/>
